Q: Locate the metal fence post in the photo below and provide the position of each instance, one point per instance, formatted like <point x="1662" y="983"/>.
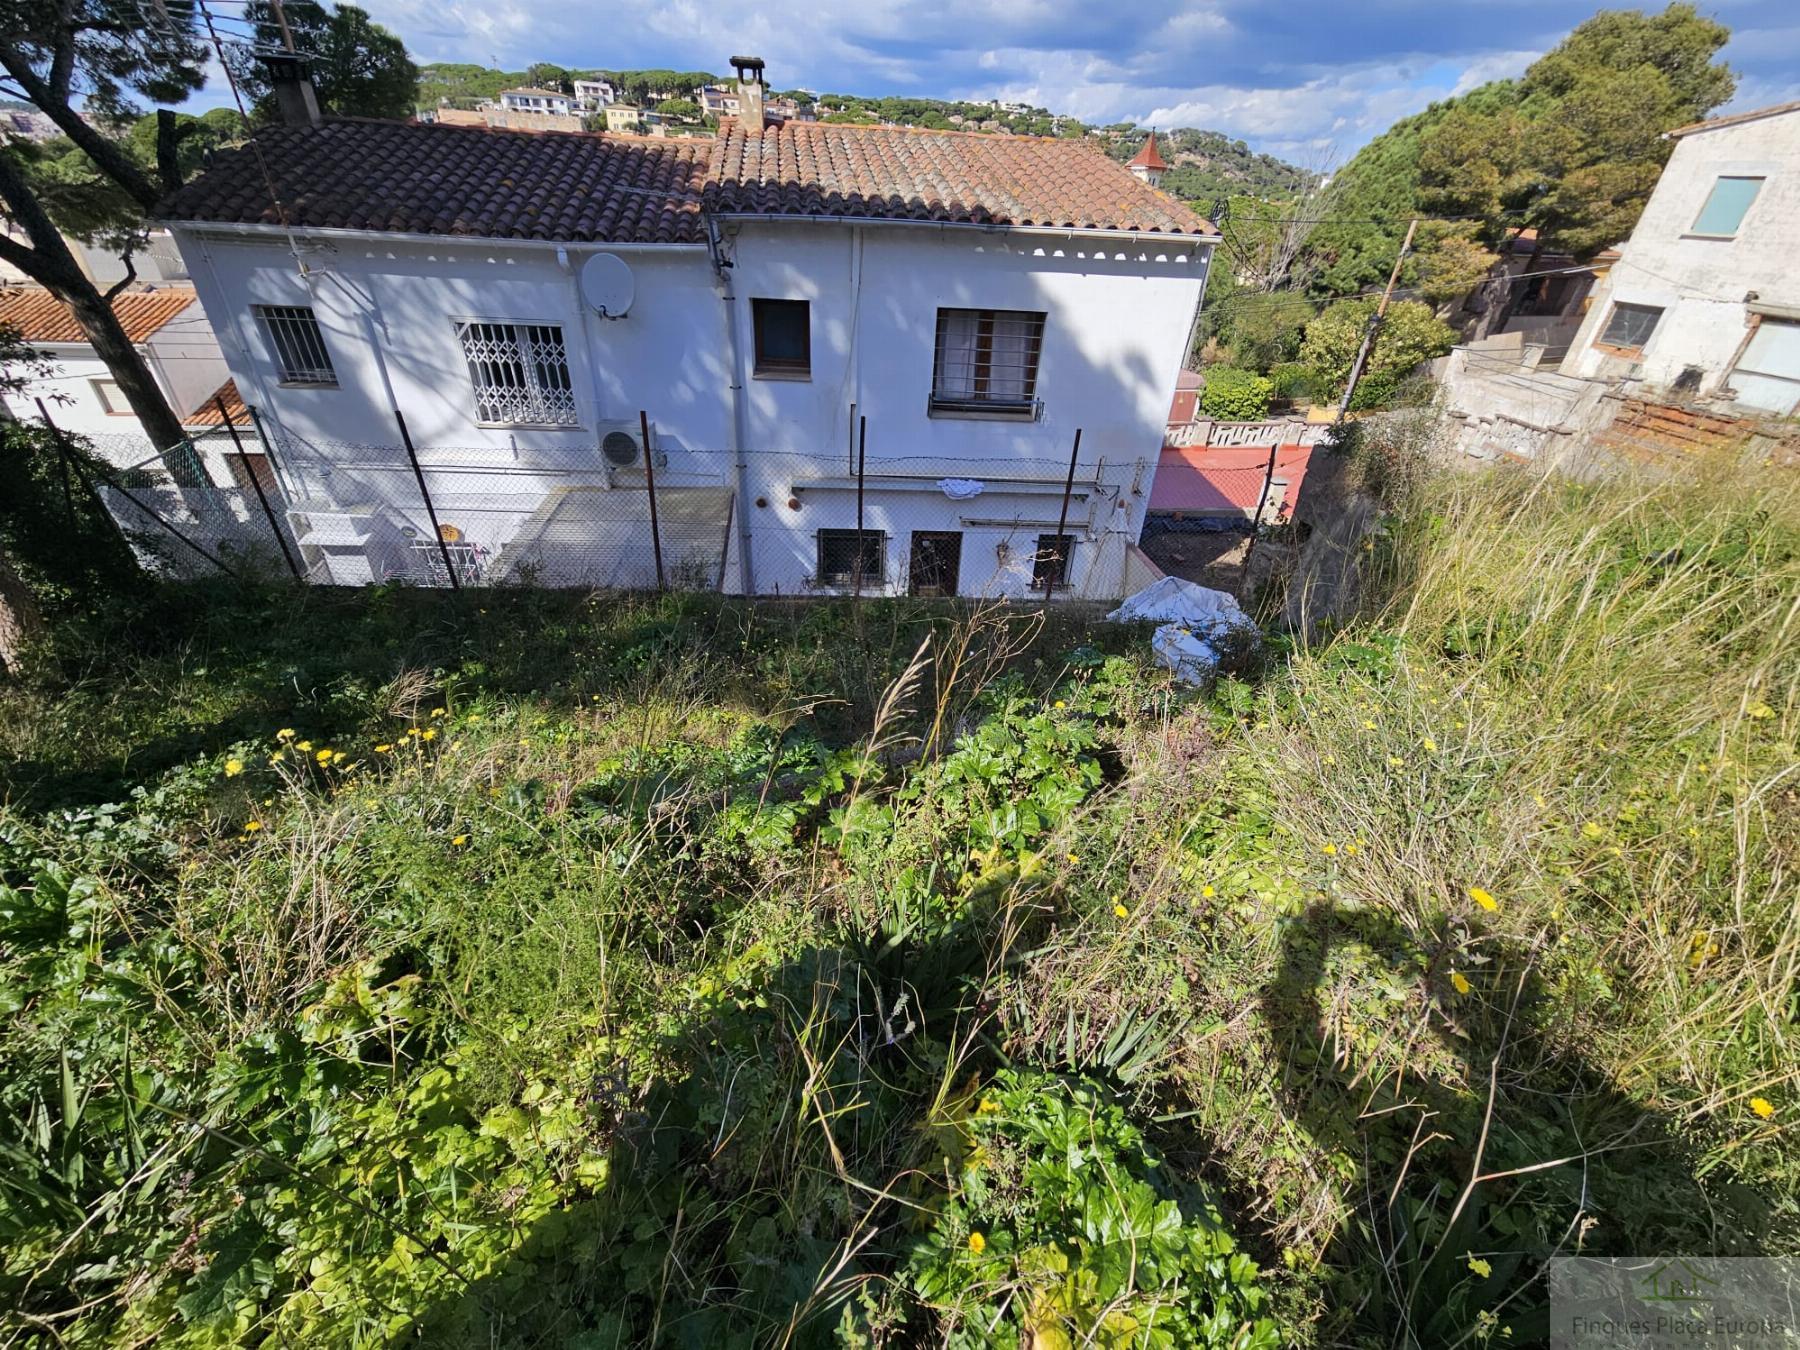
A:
<point x="650" y="477"/>
<point x="1262" y="504"/>
<point x="862" y="464"/>
<point x="1062" y="521"/>
<point x="437" y="530"/>
<point x="255" y="482"/>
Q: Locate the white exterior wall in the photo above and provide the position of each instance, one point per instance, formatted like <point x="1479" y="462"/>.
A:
<point x="1118" y="320"/>
<point x="1701" y="284"/>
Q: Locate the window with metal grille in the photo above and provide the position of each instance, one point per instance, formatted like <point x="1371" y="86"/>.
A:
<point x="299" y="345"/>
<point x="521" y="373"/>
<point x="783" y="336"/>
<point x="987" y="360"/>
<point x="1050" y="564"/>
<point x="1629" y="327"/>
<point x="840" y="557"/>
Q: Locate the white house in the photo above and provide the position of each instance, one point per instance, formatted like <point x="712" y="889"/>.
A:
<point x="168" y="327"/>
<point x="1706" y="297"/>
<point x="592" y="95"/>
<point x="782" y="306"/>
<point x="537" y="101"/>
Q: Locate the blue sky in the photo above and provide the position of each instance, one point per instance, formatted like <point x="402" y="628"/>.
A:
<point x="1307" y="79"/>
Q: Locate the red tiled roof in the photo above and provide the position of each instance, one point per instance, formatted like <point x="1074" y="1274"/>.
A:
<point x="207" y="414"/>
<point x="40" y="317"/>
<point x="1201" y="481"/>
<point x="576" y="187"/>
<point x="1147" y="158"/>
<point x="905" y="173"/>
<point x="414" y="178"/>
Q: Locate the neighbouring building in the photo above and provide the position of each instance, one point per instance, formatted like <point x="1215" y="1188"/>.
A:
<point x="624" y="117"/>
<point x="1147" y="165"/>
<point x="716" y="101"/>
<point x="1704" y="300"/>
<point x="853" y="357"/>
<point x="593" y="95"/>
<point x="537" y="101"/>
<point x="168" y="327"/>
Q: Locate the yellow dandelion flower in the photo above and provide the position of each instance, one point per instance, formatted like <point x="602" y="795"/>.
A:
<point x="384" y="748"/>
<point x="1328" y="850"/>
<point x="1480" y="1267"/>
<point x="437" y="712"/>
<point x="1061" y="704"/>
<point x="324" y="756"/>
<point x="1395" y="762"/>
<point x="1460" y="983"/>
<point x="429" y="734"/>
<point x="977" y="1243"/>
<point x="303" y="745"/>
<point x="460" y="840"/>
<point x="1329" y="759"/>
<point x="252" y="826"/>
<point x="1762" y="1106"/>
<point x="1591" y="830"/>
<point x="233" y="767"/>
<point x="285" y="734"/>
<point x="277" y="757"/>
<point x="1483" y="898"/>
<point x="1208" y="892"/>
<point x="1121" y="911"/>
<point x="987" y="1107"/>
<point x="1430" y="745"/>
<point x="1368" y="725"/>
<point x="1351" y="850"/>
<point x="1760" y="711"/>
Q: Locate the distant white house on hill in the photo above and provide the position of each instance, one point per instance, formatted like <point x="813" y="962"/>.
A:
<point x="1705" y="299"/>
<point x="498" y="316"/>
<point x="537" y="101"/>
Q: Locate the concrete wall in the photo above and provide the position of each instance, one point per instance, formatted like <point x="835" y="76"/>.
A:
<point x="1118" y="317"/>
<point x="1702" y="283"/>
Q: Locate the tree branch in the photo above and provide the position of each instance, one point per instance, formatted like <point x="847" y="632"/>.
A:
<point x="106" y="153"/>
<point x="130" y="274"/>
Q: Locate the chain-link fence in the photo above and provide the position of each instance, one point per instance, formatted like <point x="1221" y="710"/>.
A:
<point x="635" y="513"/>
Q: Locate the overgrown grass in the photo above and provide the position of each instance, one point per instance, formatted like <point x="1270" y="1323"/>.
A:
<point x="545" y="970"/>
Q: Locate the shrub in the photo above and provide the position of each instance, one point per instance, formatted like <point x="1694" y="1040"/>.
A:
<point x="1411" y="333"/>
<point x="1064" y="1228"/>
<point x="1233" y="395"/>
<point x="1294" y="381"/>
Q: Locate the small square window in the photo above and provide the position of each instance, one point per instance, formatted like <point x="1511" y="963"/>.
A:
<point x="986" y="361"/>
<point x="1050" y="564"/>
<point x="300" y="352"/>
<point x="840" y="557"/>
<point x="111" y="397"/>
<point x="783" y="336"/>
<point x="1629" y="327"/>
<point x="1726" y="205"/>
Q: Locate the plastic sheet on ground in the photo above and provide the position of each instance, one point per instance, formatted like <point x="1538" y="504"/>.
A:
<point x="1194" y="624"/>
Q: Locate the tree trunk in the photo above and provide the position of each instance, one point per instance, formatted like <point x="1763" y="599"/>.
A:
<point x="19" y="617"/>
<point x="49" y="263"/>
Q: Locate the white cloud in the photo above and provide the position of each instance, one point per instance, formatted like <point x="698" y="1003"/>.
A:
<point x="1498" y="66"/>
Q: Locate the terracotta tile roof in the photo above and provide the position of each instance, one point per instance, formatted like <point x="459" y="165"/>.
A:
<point x="1147" y="158"/>
<point x="415" y="178"/>
<point x="903" y="173"/>
<point x="446" y="180"/>
<point x="1734" y="119"/>
<point x="41" y="317"/>
<point x="207" y="414"/>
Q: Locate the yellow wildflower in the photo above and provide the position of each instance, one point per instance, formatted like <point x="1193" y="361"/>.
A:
<point x="1061" y="704"/>
<point x="1329" y="759"/>
<point x="1328" y="849"/>
<point x="233" y="767"/>
<point x="1482" y="898"/>
<point x="285" y="734"/>
<point x="988" y="1105"/>
<point x="303" y="745"/>
<point x="1074" y="861"/>
<point x="437" y="712"/>
<point x="460" y="840"/>
<point x="1480" y="1267"/>
<point x="324" y="756"/>
<point x="277" y="757"/>
<point x="252" y="826"/>
<point x="1460" y="983"/>
<point x="1121" y="911"/>
<point x="1591" y="830"/>
<point x="1538" y="797"/>
<point x="1350" y="850"/>
<point x="1430" y="745"/>
<point x="1368" y="725"/>
<point x="977" y="1243"/>
<point x="1762" y="1106"/>
<point x="429" y="734"/>
<point x="383" y="748"/>
<point x="1208" y="892"/>
<point x="1761" y="711"/>
<point x="1395" y="762"/>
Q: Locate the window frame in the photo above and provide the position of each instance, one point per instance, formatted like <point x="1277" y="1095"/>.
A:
<point x="100" y="384"/>
<point x="978" y="401"/>
<point x="847" y="577"/>
<point x="293" y="371"/>
<point x="1062" y="557"/>
<point x="1620" y="349"/>
<point x="1695" y="232"/>
<point x="526" y="360"/>
<point x="767" y="367"/>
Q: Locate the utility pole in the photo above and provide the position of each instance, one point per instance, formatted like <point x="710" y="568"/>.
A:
<point x="287" y="34"/>
<point x="1368" y="342"/>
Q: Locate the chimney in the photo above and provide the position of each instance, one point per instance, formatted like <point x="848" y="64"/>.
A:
<point x="750" y="92"/>
<point x="290" y="79"/>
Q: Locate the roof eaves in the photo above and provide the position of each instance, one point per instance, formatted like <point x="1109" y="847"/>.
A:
<point x="1735" y="119"/>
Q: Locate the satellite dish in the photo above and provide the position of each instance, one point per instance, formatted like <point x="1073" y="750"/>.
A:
<point x="620" y="448"/>
<point x="607" y="285"/>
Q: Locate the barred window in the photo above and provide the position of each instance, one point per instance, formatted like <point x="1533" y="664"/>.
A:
<point x="520" y="372"/>
<point x="299" y="345"/>
<point x="840" y="558"/>
<point x="987" y="360"/>
<point x="1050" y="564"/>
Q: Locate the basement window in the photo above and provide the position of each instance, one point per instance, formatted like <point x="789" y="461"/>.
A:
<point x="299" y="346"/>
<point x="987" y="361"/>
<point x="1629" y="327"/>
<point x="520" y="372"/>
<point x="1050" y="564"/>
<point x="843" y="552"/>
<point x="783" y="337"/>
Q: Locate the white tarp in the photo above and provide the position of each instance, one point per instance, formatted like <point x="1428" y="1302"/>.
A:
<point x="1194" y="620"/>
<point x="961" y="489"/>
